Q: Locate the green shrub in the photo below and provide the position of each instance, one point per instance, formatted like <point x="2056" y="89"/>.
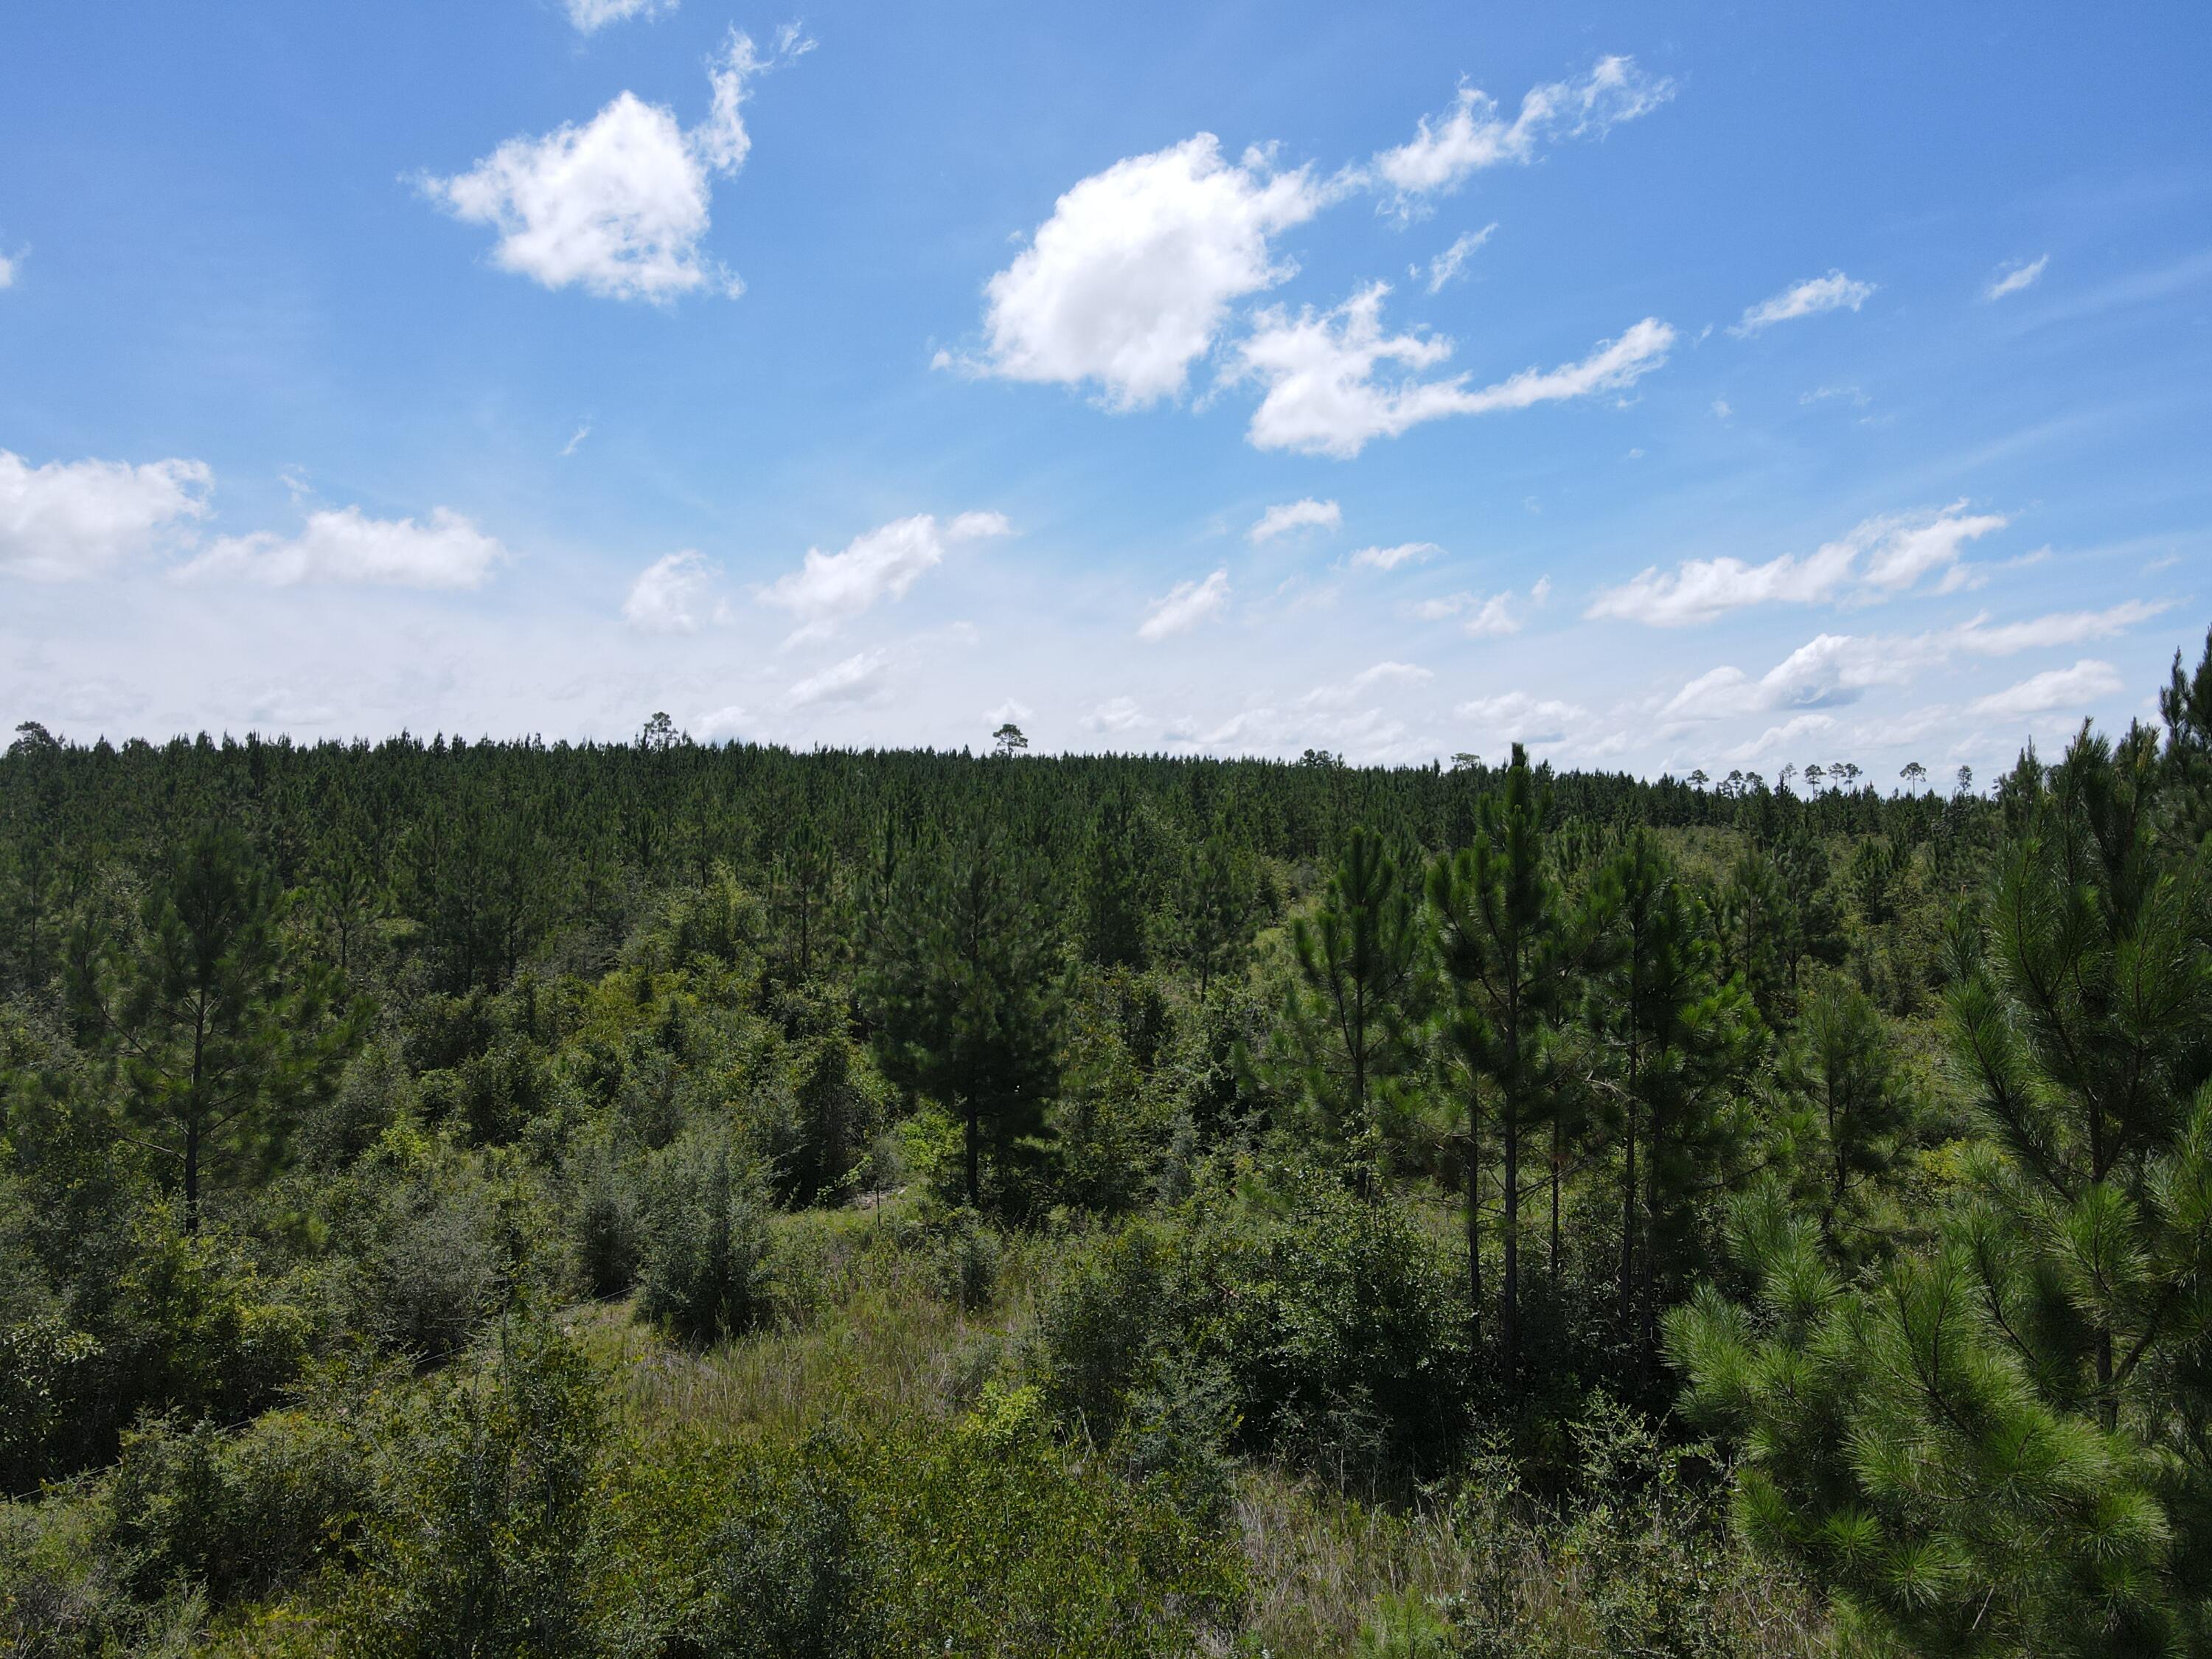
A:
<point x="45" y="1366"/>
<point x="609" y="1236"/>
<point x="706" y="1241"/>
<point x="235" y="1515"/>
<point x="478" y="1545"/>
<point x="794" y="1574"/>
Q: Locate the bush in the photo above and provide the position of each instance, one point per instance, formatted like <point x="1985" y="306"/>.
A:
<point x="479" y="1543"/>
<point x="608" y="1236"/>
<point x="795" y="1573"/>
<point x="706" y="1241"/>
<point x="235" y="1515"/>
<point x="1338" y="1319"/>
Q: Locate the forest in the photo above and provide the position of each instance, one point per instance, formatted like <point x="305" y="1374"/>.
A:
<point x="678" y="1201"/>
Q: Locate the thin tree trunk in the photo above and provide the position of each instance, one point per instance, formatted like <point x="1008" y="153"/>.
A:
<point x="972" y="1133"/>
<point x="1509" y="1306"/>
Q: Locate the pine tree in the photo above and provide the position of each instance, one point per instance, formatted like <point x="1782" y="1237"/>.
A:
<point x="212" y="1033"/>
<point x="1503" y="951"/>
<point x="1999" y="1444"/>
<point x="1347" y="1029"/>
<point x="1685" y="1039"/>
<point x="963" y="993"/>
<point x="1842" y="1065"/>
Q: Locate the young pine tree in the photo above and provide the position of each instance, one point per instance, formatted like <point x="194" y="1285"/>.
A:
<point x="1684" y="1040"/>
<point x="1503" y="952"/>
<point x="1347" y="1029"/>
<point x="1999" y="1444"/>
<point x="214" y="1038"/>
<point x="963" y="992"/>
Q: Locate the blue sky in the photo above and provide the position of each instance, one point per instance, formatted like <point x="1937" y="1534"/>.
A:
<point x="1698" y="387"/>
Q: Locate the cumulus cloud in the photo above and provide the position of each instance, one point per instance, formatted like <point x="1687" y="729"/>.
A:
<point x="668" y="594"/>
<point x="1450" y="265"/>
<point x="1286" y="516"/>
<point x="592" y="15"/>
<point x="2015" y="277"/>
<point x="1185" y="606"/>
<point x="1878" y="556"/>
<point x="1323" y="396"/>
<point x="2069" y="688"/>
<point x="1834" y="292"/>
<point x="8" y="271"/>
<point x="1132" y="277"/>
<point x="1368" y="680"/>
<point x="1389" y="558"/>
<point x="1446" y="151"/>
<point x="344" y="544"/>
<point x="858" y="678"/>
<point x="1518" y="717"/>
<point x="71" y="519"/>
<point x="886" y="561"/>
<point x="619" y="205"/>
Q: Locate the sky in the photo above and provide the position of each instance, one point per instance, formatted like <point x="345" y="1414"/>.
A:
<point x="1698" y="387"/>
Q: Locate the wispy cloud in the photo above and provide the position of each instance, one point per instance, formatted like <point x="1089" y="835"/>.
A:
<point x="2015" y="277"/>
<point x="1450" y="265"/>
<point x="1185" y="606"/>
<point x="1834" y="292"/>
<point x="1284" y="516"/>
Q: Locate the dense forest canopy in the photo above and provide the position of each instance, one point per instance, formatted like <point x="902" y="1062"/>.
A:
<point x="674" y="1199"/>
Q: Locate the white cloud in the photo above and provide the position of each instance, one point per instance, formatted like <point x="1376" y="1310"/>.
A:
<point x="1345" y="691"/>
<point x="1540" y="592"/>
<point x="1131" y="279"/>
<point x="619" y="205"/>
<point x="1834" y="292"/>
<point x="1450" y="265"/>
<point x="1492" y="619"/>
<point x="1322" y="397"/>
<point x="1389" y="558"/>
<point x="2058" y="688"/>
<point x="887" y="560"/>
<point x="1721" y="409"/>
<point x="2063" y="627"/>
<point x="1286" y="516"/>
<point x="857" y="679"/>
<point x="1877" y="556"/>
<point x="1781" y="737"/>
<point x="582" y="433"/>
<point x="1829" y="670"/>
<point x="592" y="15"/>
<point x="718" y="723"/>
<point x="668" y="593"/>
<point x="69" y="519"/>
<point x="344" y="544"/>
<point x="8" y="271"/>
<point x="1185" y="606"/>
<point x="2015" y="277"/>
<point x="1517" y="717"/>
<point x="1012" y="709"/>
<point x="1472" y="136"/>
<point x="1116" y="714"/>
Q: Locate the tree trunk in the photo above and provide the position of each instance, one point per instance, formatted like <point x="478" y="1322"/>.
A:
<point x="1509" y="1303"/>
<point x="972" y="1134"/>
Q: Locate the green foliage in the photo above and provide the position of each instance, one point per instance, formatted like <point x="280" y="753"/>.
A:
<point x="962" y="990"/>
<point x="478" y="1545"/>
<point x="704" y="1275"/>
<point x="1997" y="1445"/>
<point x="1346" y="1035"/>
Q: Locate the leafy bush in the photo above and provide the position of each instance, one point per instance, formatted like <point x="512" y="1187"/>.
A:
<point x="478" y="1542"/>
<point x="706" y="1241"/>
<point x="240" y="1515"/>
